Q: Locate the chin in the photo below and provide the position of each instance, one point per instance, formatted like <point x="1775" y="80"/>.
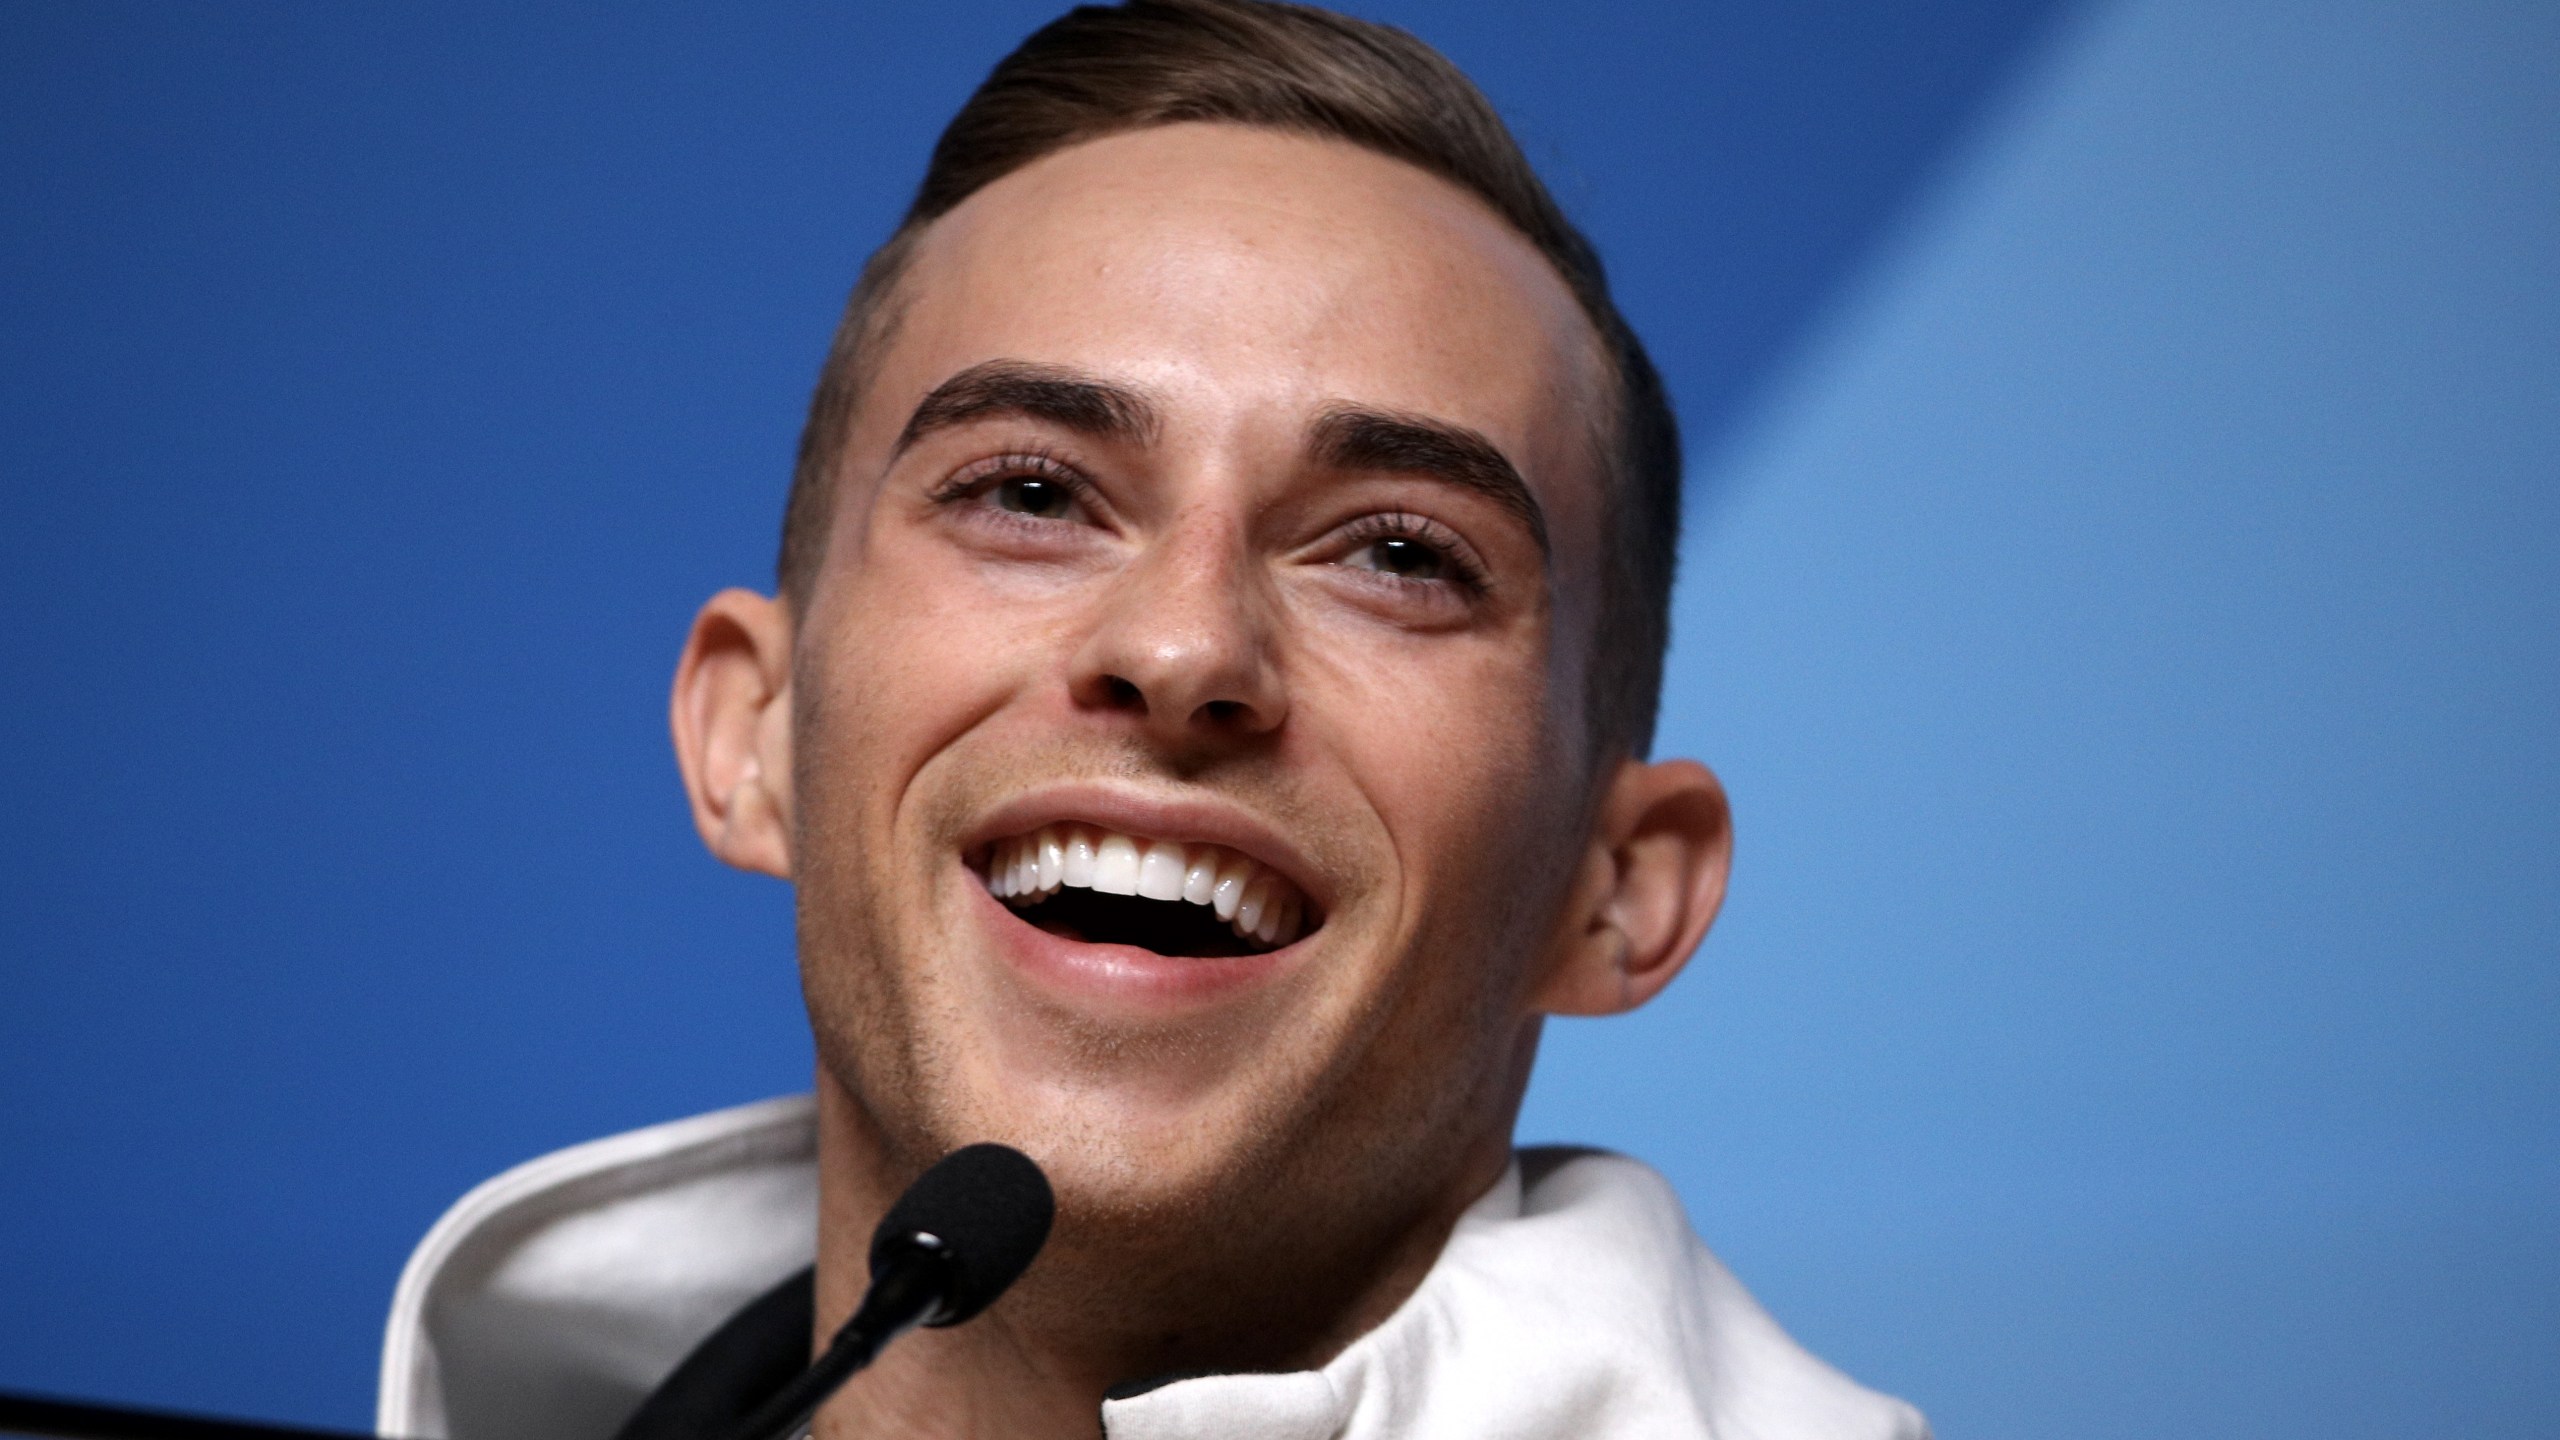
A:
<point x="1121" y="1113"/>
<point x="1148" y="1137"/>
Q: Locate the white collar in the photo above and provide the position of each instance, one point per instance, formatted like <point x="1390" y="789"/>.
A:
<point x="1571" y="1300"/>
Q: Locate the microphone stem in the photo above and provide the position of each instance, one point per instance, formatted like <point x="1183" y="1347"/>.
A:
<point x="898" y="1301"/>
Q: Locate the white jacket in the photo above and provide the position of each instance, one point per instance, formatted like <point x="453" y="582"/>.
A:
<point x="1571" y="1301"/>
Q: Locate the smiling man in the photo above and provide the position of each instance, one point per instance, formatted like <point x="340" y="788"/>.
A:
<point x="1204" y="720"/>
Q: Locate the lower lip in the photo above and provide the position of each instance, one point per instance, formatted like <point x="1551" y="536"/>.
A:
<point x="1124" y="977"/>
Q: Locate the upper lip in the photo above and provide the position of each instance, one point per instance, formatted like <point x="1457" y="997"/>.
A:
<point x="1190" y="819"/>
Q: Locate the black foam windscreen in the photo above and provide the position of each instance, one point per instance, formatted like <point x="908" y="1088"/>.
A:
<point x="989" y="1207"/>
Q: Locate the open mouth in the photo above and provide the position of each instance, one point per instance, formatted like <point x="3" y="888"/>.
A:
<point x="1082" y="882"/>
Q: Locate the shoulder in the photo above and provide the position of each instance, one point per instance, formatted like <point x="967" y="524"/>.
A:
<point x="1577" y="1300"/>
<point x="549" y="1299"/>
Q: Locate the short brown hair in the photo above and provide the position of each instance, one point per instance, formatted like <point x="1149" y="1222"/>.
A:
<point x="1100" y="70"/>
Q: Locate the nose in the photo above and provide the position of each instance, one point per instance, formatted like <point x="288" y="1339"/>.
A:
<point x="1184" y="643"/>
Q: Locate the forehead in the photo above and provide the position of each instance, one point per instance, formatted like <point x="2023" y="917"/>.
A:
<point x="1250" y="278"/>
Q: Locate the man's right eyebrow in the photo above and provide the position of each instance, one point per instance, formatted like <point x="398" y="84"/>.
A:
<point x="1050" y="393"/>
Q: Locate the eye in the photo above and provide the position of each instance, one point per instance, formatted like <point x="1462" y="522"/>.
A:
<point x="1034" y="495"/>
<point x="1017" y="490"/>
<point x="1402" y="557"/>
<point x="1412" y="553"/>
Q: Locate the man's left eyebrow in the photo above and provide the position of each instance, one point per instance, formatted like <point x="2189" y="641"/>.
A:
<point x="1351" y="437"/>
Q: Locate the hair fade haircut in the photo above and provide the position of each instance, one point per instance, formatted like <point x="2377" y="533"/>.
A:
<point x="1102" y="70"/>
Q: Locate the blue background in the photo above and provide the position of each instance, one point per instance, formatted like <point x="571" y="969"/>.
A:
<point x="2123" y="596"/>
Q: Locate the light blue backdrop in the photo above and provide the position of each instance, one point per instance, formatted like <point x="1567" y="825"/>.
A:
<point x="2123" y="598"/>
<point x="2132" y="637"/>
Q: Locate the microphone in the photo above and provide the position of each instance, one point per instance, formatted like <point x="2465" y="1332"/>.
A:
<point x="962" y="1234"/>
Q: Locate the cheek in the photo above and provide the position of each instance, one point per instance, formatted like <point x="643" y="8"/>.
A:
<point x="914" y="650"/>
<point x="1454" y="742"/>
<point x="1456" y="754"/>
<point x="889" y="671"/>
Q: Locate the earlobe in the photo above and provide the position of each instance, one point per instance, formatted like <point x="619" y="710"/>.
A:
<point x="731" y="717"/>
<point x="1652" y="879"/>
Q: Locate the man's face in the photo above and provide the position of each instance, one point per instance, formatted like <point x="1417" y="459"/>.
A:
<point x="1219" y="521"/>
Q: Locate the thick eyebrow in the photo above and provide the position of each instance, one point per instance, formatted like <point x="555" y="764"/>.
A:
<point x="1350" y="437"/>
<point x="1052" y="393"/>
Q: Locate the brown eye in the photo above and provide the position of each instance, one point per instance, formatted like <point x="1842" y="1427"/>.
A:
<point x="1033" y="496"/>
<point x="1404" y="559"/>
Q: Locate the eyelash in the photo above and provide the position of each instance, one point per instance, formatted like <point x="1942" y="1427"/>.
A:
<point x="978" y="477"/>
<point x="1369" y="529"/>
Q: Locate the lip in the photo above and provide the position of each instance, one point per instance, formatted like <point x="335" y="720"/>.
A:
<point x="1192" y="821"/>
<point x="1124" y="979"/>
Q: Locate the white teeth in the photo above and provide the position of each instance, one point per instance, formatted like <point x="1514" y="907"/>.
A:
<point x="1249" y="914"/>
<point x="1228" y="893"/>
<point x="1115" y="865"/>
<point x="1160" y="871"/>
<point x="1258" y="904"/>
<point x="1014" y="868"/>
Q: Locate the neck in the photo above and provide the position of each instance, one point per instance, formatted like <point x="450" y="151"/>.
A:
<point x="1206" y="1296"/>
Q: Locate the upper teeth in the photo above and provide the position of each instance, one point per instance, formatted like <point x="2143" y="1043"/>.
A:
<point x="1255" y="900"/>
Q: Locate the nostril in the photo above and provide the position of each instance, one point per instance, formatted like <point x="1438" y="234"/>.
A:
<point x="1123" y="693"/>
<point x="1223" y="712"/>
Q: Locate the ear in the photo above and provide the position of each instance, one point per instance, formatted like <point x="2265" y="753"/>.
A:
<point x="1650" y="883"/>
<point x="731" y="713"/>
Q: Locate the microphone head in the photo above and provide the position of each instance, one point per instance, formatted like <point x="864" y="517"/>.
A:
<point x="987" y="1210"/>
